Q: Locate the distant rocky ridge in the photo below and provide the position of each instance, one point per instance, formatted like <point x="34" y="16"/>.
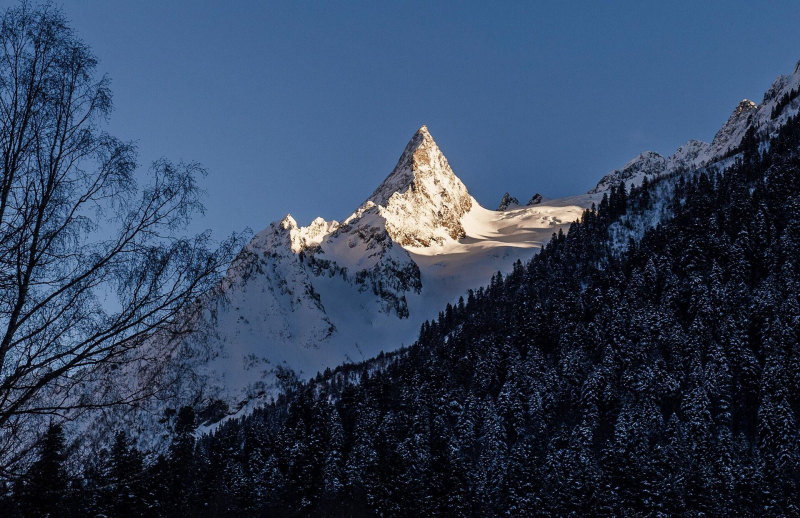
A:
<point x="509" y="202"/>
<point x="765" y="118"/>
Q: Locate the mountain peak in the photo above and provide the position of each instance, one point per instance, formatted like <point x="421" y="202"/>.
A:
<point x="745" y="106"/>
<point x="288" y="222"/>
<point x="422" y="194"/>
<point x="730" y="134"/>
<point x="797" y="67"/>
<point x="420" y="151"/>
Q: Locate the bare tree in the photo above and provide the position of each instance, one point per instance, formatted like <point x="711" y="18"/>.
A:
<point x="91" y="265"/>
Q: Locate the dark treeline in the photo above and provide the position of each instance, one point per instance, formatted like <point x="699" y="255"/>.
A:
<point x="659" y="381"/>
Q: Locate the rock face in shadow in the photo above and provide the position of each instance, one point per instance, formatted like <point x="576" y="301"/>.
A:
<point x="508" y="202"/>
<point x="536" y="199"/>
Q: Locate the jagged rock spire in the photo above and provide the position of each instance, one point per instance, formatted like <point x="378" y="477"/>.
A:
<point x="507" y="202"/>
<point x="536" y="199"/>
<point x="421" y="152"/>
<point x="422" y="196"/>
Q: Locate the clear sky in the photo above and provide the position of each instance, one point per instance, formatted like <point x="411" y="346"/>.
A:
<point x="304" y="107"/>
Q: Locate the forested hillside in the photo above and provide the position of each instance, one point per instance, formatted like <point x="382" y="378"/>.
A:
<point x="658" y="380"/>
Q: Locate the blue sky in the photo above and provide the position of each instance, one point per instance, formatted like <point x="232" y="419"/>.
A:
<point x="304" y="107"/>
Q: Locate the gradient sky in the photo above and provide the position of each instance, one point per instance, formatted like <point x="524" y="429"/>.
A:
<point x="304" y="107"/>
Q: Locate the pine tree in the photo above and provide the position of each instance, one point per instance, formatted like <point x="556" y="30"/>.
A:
<point x="181" y="458"/>
<point x="125" y="479"/>
<point x="45" y="489"/>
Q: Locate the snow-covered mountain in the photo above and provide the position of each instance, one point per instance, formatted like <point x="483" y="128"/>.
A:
<point x="307" y="298"/>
